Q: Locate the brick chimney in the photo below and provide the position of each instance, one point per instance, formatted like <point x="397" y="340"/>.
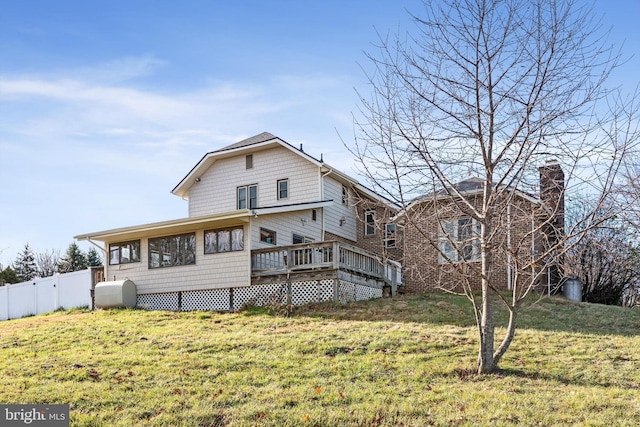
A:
<point x="552" y="194"/>
<point x="552" y="191"/>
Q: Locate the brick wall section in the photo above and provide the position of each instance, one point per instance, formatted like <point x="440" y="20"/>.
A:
<point x="422" y="269"/>
<point x="375" y="243"/>
<point x="552" y="188"/>
<point x="372" y="243"/>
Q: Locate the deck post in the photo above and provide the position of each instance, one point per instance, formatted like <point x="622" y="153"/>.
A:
<point x="336" y="255"/>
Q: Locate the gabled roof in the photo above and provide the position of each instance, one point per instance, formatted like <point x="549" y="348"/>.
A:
<point x="246" y="146"/>
<point x="466" y="188"/>
<point x="256" y="139"/>
<point x="263" y="141"/>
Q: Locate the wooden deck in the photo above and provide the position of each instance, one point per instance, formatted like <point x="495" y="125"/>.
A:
<point x="323" y="260"/>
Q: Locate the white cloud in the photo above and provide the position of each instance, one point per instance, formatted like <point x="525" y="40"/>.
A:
<point x="97" y="151"/>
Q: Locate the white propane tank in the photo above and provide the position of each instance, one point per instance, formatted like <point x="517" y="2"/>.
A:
<point x="115" y="294"/>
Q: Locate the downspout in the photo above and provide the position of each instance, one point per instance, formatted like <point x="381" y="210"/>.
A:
<point x="322" y="198"/>
<point x="250" y="227"/>
<point x="533" y="250"/>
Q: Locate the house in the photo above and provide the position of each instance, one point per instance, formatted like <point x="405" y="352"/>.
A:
<point x="265" y="221"/>
<point x="442" y="248"/>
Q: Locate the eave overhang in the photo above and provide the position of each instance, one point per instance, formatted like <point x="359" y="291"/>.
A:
<point x="466" y="194"/>
<point x="182" y="189"/>
<point x="267" y="210"/>
<point x="176" y="226"/>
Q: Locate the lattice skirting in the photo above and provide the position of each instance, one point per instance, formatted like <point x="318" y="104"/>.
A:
<point x="233" y="299"/>
<point x="348" y="291"/>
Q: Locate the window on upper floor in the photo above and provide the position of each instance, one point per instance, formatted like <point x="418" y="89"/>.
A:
<point x="124" y="252"/>
<point x="283" y="189"/>
<point x="369" y="223"/>
<point x="458" y="240"/>
<point x="249" y="161"/>
<point x="345" y="196"/>
<point x="389" y="235"/>
<point x="172" y="251"/>
<point x="247" y="197"/>
<point x="223" y="240"/>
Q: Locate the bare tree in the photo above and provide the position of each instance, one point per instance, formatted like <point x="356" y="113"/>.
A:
<point x="47" y="262"/>
<point x="493" y="89"/>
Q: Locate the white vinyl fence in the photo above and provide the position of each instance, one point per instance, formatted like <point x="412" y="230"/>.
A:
<point x="69" y="290"/>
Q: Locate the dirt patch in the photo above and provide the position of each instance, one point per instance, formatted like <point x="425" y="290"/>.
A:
<point x="444" y="304"/>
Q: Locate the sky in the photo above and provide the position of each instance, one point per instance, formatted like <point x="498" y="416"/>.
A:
<point x="106" y="105"/>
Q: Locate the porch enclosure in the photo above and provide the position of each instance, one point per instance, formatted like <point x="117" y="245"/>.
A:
<point x="297" y="275"/>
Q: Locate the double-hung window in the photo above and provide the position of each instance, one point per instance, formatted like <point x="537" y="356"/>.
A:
<point x="459" y="240"/>
<point x="389" y="235"/>
<point x="247" y="197"/>
<point x="369" y="223"/>
<point x="283" y="189"/>
<point x="345" y="196"/>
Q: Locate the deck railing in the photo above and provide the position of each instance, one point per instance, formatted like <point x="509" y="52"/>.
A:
<point x="320" y="256"/>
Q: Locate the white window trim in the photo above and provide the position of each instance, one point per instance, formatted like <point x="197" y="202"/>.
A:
<point x="286" y="181"/>
<point x="390" y="236"/>
<point x="367" y="224"/>
<point x="345" y="196"/>
<point x="304" y="239"/>
<point x="247" y="189"/>
<point x="451" y="243"/>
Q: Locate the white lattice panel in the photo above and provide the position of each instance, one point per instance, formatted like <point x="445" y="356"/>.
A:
<point x="326" y="290"/>
<point x="259" y="295"/>
<point x="346" y="291"/>
<point x="164" y="301"/>
<point x="304" y="292"/>
<point x="210" y="299"/>
<point x="367" y="292"/>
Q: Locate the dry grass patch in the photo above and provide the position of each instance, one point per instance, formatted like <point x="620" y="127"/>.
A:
<point x="406" y="361"/>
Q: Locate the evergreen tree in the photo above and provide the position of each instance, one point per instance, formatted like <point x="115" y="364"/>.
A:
<point x="8" y="276"/>
<point x="93" y="258"/>
<point x="73" y="260"/>
<point x="25" y="265"/>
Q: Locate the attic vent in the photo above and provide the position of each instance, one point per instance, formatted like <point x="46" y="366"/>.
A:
<point x="249" y="160"/>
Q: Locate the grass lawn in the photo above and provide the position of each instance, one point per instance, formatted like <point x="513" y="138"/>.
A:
<point x="406" y="361"/>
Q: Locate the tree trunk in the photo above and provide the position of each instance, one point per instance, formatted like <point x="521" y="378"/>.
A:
<point x="486" y="362"/>
<point x="508" y="338"/>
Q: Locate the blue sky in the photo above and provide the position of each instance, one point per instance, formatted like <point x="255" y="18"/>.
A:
<point x="105" y="106"/>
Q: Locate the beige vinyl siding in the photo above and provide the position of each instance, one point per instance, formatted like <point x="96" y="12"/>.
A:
<point x="285" y="224"/>
<point x="216" y="191"/>
<point x="212" y="271"/>
<point x="337" y="211"/>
